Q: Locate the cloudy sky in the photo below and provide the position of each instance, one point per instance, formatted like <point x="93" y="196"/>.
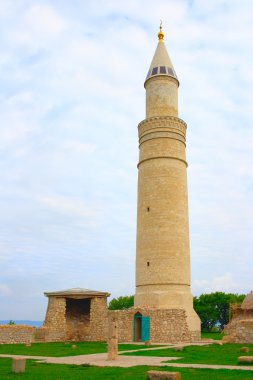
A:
<point x="71" y="96"/>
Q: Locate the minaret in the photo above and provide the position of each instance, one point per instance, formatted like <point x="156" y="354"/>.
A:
<point x="162" y="252"/>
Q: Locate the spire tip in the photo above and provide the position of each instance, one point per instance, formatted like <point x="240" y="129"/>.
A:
<point x="161" y="33"/>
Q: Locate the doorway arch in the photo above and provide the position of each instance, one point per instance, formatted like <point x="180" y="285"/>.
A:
<point x="137" y="327"/>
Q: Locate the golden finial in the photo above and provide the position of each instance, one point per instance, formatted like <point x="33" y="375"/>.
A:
<point x="160" y="33"/>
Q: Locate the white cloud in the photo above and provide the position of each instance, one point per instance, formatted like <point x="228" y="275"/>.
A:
<point x="223" y="283"/>
<point x="70" y="206"/>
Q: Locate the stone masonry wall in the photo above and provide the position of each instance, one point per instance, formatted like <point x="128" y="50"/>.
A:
<point x="10" y="334"/>
<point x="54" y="327"/>
<point x="168" y="326"/>
<point x="240" y="328"/>
<point x="98" y="320"/>
<point x="57" y="328"/>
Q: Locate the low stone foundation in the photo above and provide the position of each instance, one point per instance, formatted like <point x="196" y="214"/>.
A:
<point x="10" y="334"/>
<point x="166" y="325"/>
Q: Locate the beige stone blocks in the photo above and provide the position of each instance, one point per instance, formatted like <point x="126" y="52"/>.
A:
<point x="10" y="334"/>
<point x="18" y="365"/>
<point x="166" y="325"/>
<point x="160" y="375"/>
<point x="74" y="320"/>
<point x="245" y="359"/>
<point x="112" y="341"/>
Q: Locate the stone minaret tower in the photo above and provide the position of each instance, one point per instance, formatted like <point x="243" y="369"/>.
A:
<point x="163" y="255"/>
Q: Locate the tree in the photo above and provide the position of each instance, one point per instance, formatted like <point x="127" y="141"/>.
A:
<point x="124" y="302"/>
<point x="11" y="322"/>
<point x="213" y="308"/>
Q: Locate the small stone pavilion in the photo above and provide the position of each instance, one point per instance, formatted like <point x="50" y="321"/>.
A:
<point x="75" y="315"/>
<point x="240" y="327"/>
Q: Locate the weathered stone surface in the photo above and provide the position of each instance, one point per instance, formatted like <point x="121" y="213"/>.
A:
<point x="75" y="319"/>
<point x="248" y="302"/>
<point x="178" y="348"/>
<point x="112" y="326"/>
<point x="218" y="342"/>
<point x="240" y="327"/>
<point x="166" y="325"/>
<point x="112" y="345"/>
<point x="244" y="349"/>
<point x="10" y="334"/>
<point x="112" y="341"/>
<point x="18" y="365"/>
<point x="157" y="375"/>
<point x="245" y="359"/>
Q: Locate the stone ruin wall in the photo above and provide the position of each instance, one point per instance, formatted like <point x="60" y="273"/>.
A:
<point x="74" y="328"/>
<point x="57" y="329"/>
<point x="54" y="327"/>
<point x="240" y="328"/>
<point x="166" y="325"/>
<point x="10" y="334"/>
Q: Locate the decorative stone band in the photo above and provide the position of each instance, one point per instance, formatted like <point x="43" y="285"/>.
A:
<point x="156" y="124"/>
<point x="157" y="157"/>
<point x="161" y="134"/>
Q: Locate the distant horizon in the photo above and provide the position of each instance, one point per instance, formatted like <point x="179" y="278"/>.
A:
<point x="22" y="322"/>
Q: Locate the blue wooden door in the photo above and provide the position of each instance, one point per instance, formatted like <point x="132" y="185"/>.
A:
<point x="145" y="329"/>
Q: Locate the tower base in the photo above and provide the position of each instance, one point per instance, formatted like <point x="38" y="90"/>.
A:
<point x="156" y="325"/>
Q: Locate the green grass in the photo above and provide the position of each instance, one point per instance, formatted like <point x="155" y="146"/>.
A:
<point x="212" y="335"/>
<point x="41" y="371"/>
<point x="62" y="349"/>
<point x="211" y="354"/>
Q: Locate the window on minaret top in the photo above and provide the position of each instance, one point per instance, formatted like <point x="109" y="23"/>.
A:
<point x="154" y="71"/>
<point x="170" y="71"/>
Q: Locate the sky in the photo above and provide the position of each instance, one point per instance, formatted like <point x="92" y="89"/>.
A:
<point x="71" y="97"/>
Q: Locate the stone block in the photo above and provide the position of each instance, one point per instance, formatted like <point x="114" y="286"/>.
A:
<point x="245" y="359"/>
<point x="218" y="342"/>
<point x="244" y="349"/>
<point x="179" y="348"/>
<point x="18" y="365"/>
<point x="157" y="375"/>
<point x="112" y="344"/>
<point x="147" y="343"/>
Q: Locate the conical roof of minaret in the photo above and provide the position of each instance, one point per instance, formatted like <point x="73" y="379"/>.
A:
<point x="161" y="63"/>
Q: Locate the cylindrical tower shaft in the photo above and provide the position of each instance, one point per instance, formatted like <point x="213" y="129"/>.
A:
<point x="162" y="255"/>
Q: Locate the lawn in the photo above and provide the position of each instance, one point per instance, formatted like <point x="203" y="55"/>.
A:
<point x="62" y="349"/>
<point x="41" y="371"/>
<point x="210" y="354"/>
<point x="212" y="335"/>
